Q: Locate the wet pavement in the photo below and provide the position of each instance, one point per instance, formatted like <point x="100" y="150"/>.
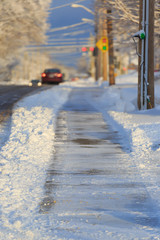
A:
<point x="92" y="185"/>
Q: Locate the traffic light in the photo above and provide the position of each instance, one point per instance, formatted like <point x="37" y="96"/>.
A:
<point x="87" y="49"/>
<point x="104" y="44"/>
<point x="91" y="49"/>
<point x="84" y="49"/>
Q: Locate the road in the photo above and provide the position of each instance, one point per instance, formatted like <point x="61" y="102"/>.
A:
<point x="92" y="188"/>
<point x="9" y="95"/>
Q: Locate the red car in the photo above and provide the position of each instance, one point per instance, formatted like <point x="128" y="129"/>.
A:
<point x="52" y="75"/>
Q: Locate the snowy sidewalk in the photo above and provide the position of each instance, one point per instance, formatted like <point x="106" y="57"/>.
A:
<point x="92" y="188"/>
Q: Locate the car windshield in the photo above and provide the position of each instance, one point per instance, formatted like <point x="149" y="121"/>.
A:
<point x="35" y="81"/>
<point x="53" y="70"/>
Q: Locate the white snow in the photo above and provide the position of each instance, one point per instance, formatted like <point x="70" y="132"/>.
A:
<point x="30" y="145"/>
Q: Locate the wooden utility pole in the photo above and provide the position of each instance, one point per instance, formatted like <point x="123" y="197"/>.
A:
<point x="98" y="36"/>
<point x="104" y="34"/>
<point x="101" y="32"/>
<point x="146" y="57"/>
<point x="99" y="56"/>
<point x="111" y="49"/>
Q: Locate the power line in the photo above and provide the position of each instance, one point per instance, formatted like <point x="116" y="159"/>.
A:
<point x="68" y="39"/>
<point x="65" y="5"/>
<point x="66" y="27"/>
<point x="62" y="43"/>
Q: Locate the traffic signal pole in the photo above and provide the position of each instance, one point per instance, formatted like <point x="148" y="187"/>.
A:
<point x="104" y="32"/>
<point x="104" y="52"/>
<point x="102" y="44"/>
<point x="99" y="57"/>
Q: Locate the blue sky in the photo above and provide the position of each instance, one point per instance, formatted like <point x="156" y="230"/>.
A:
<point x="65" y="16"/>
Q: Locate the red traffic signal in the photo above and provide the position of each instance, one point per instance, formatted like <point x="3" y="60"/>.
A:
<point x="84" y="49"/>
<point x="91" y="49"/>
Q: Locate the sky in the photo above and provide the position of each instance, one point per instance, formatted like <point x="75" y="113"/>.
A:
<point x="28" y="152"/>
<point x="61" y="15"/>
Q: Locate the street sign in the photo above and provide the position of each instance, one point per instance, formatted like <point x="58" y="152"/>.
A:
<point x="102" y="44"/>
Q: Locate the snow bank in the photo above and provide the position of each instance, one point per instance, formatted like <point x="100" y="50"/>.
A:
<point x="24" y="160"/>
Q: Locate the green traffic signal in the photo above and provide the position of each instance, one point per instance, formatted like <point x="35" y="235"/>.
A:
<point x="104" y="48"/>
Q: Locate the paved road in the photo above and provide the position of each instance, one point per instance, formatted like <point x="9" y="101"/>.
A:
<point x="92" y="188"/>
<point x="9" y="95"/>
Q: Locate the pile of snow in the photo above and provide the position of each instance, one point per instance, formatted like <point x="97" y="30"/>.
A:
<point x="24" y="160"/>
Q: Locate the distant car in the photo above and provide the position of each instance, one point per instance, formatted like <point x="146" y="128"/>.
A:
<point x="79" y="76"/>
<point x="35" y="82"/>
<point x="74" y="78"/>
<point x="52" y="75"/>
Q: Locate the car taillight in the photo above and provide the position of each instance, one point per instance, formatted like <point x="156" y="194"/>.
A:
<point x="59" y="74"/>
<point x="43" y="75"/>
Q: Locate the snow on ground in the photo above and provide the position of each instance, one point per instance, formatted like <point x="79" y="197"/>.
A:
<point x="24" y="159"/>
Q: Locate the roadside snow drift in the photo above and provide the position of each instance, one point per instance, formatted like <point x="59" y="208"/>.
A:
<point x="24" y="159"/>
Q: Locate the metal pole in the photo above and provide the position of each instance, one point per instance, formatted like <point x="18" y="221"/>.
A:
<point x="146" y="55"/>
<point x="139" y="56"/>
<point x="150" y="90"/>
<point x="146" y="58"/>
<point x="142" y="58"/>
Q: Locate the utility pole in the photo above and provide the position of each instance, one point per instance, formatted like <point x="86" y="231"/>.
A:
<point x="104" y="33"/>
<point x="102" y="41"/>
<point x="146" y="55"/>
<point x="97" y="51"/>
<point x="110" y="50"/>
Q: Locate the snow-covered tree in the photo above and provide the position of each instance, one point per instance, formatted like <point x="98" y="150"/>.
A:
<point x="21" y="23"/>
